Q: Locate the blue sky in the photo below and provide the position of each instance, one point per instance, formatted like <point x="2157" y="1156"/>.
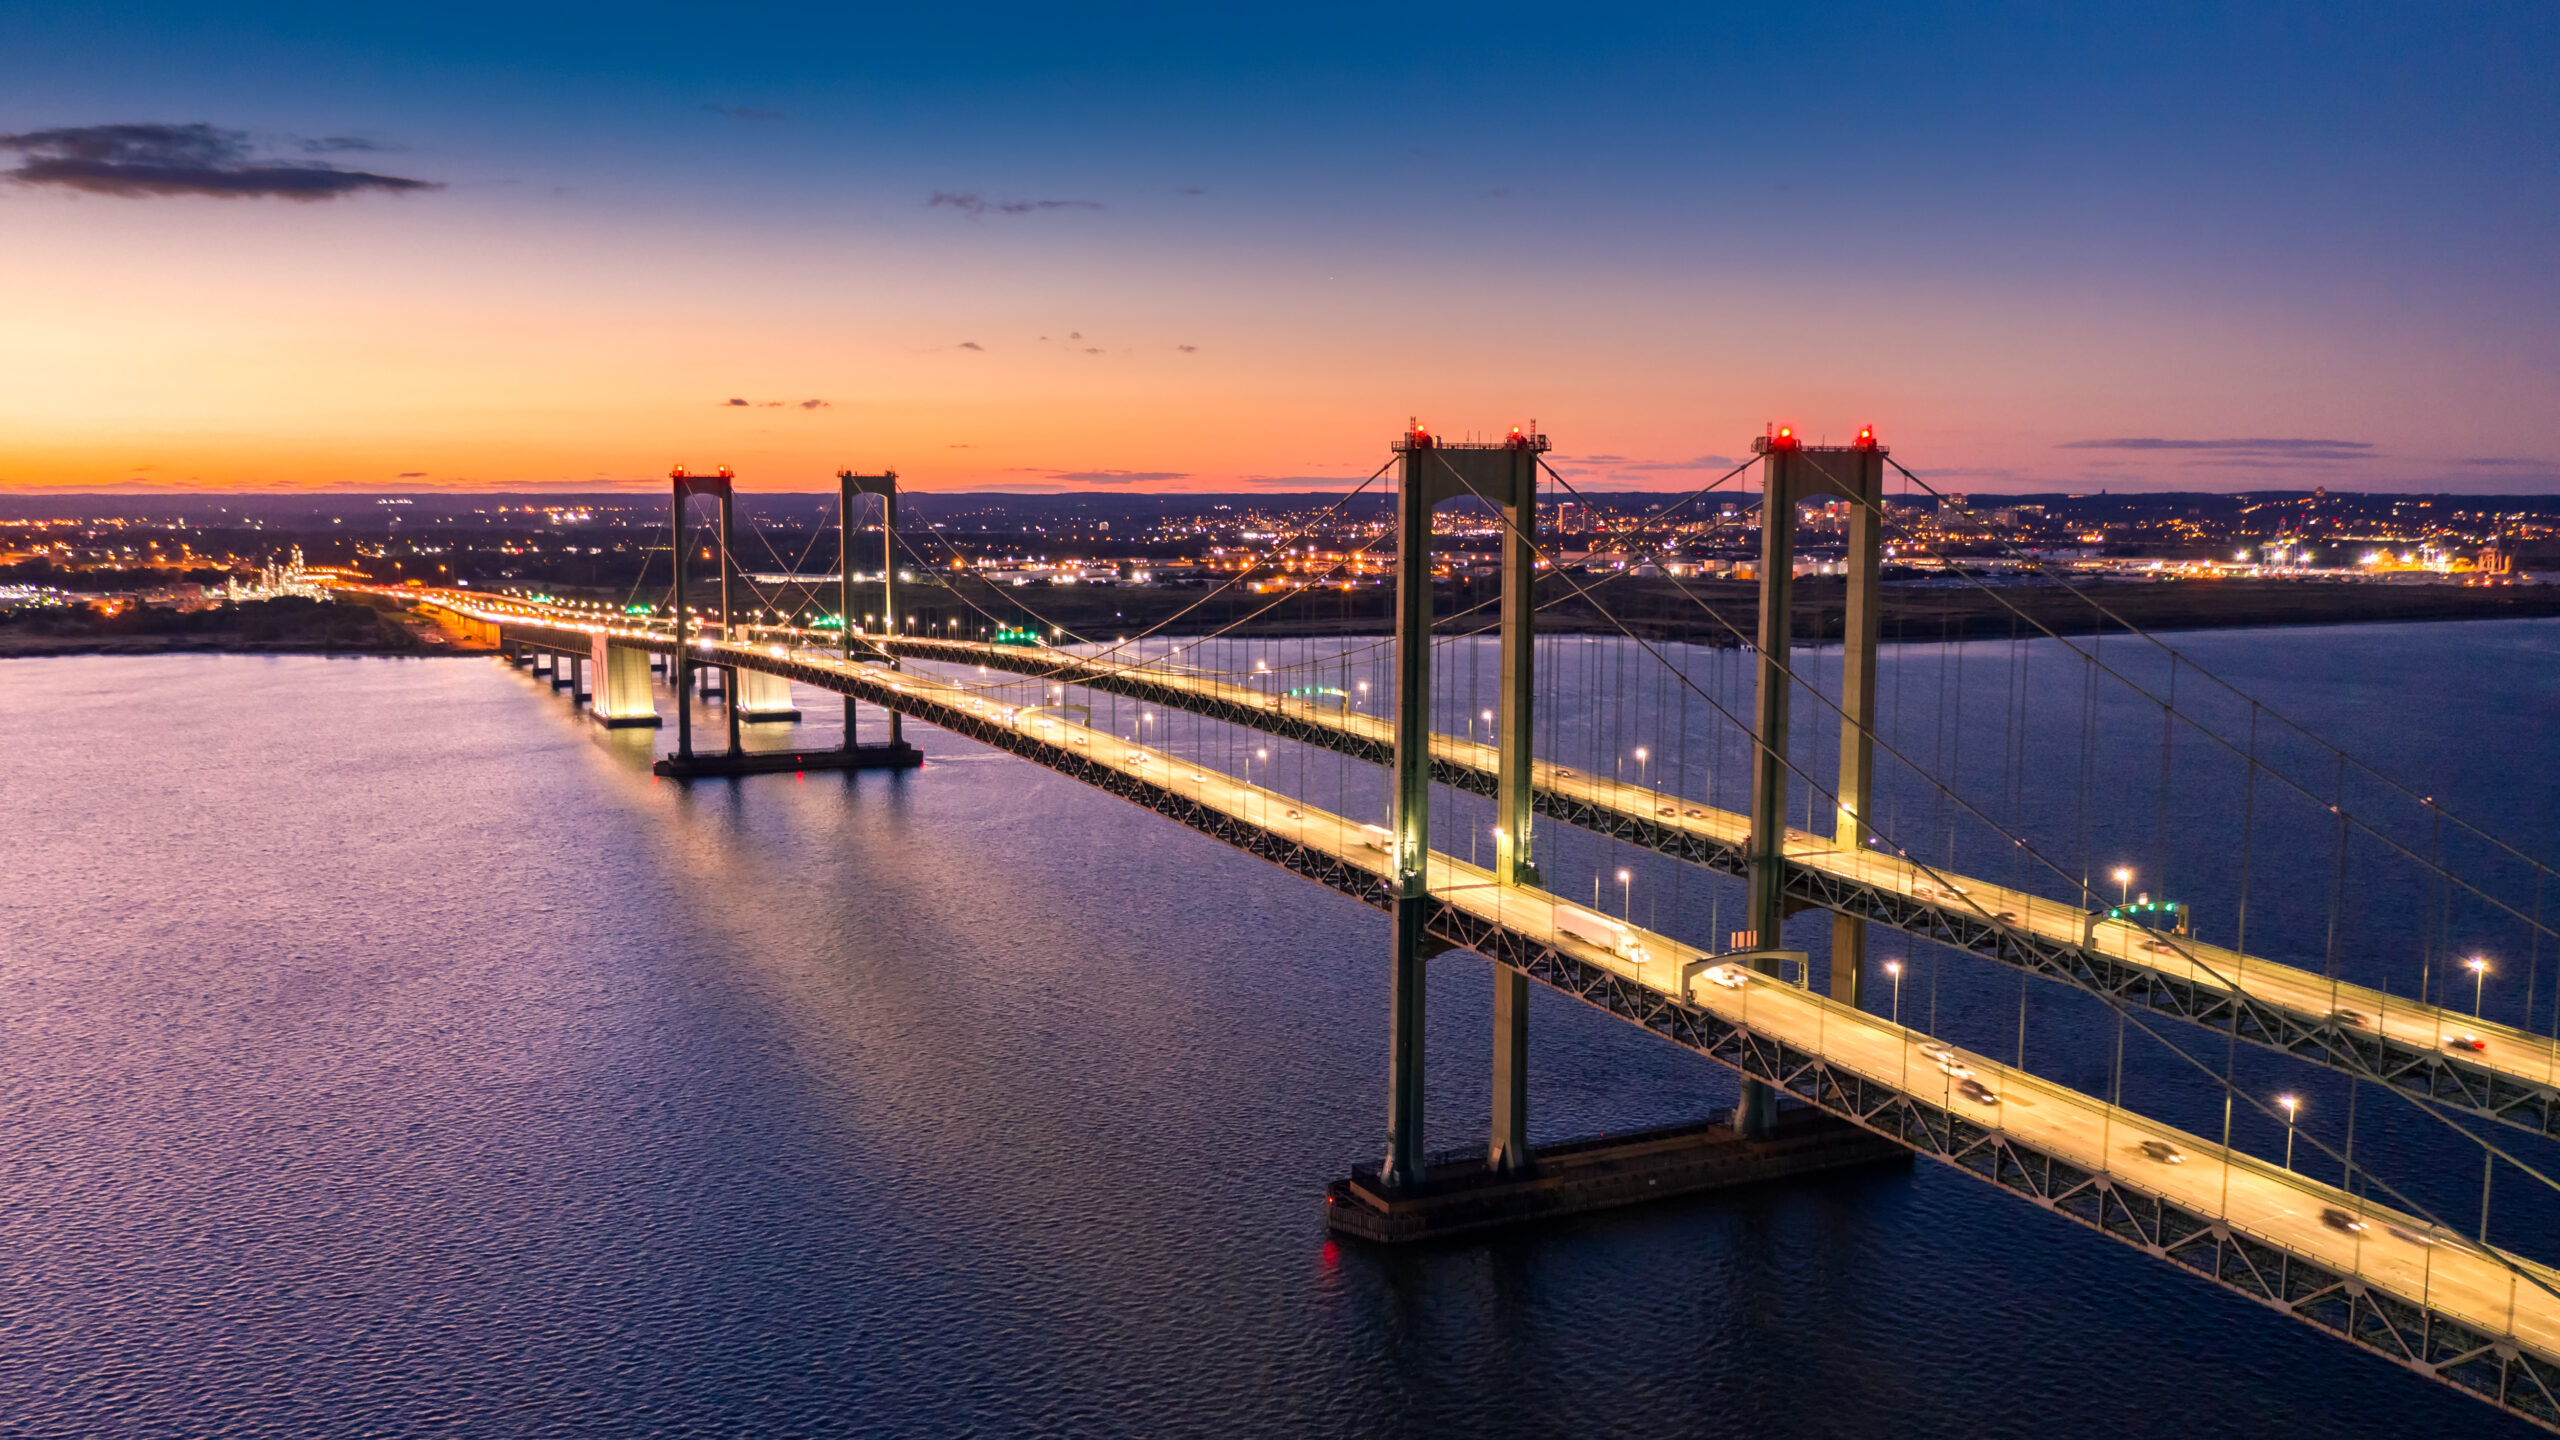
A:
<point x="1999" y="233"/>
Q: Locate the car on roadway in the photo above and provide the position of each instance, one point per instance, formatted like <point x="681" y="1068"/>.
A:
<point x="2005" y="917"/>
<point x="1977" y="1092"/>
<point x="1729" y="976"/>
<point x="2466" y="1041"/>
<point x="2337" y="1219"/>
<point x="1938" y="1050"/>
<point x="1955" y="1068"/>
<point x="2414" y="1237"/>
<point x="2163" y="1151"/>
<point x="1697" y="814"/>
<point x="2356" y="1018"/>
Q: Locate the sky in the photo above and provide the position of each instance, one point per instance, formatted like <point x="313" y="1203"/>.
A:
<point x="470" y="246"/>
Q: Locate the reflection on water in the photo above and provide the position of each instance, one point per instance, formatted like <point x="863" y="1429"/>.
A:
<point x="383" y="1050"/>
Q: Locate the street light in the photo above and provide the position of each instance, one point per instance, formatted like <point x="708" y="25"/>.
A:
<point x="2478" y="965"/>
<point x="2124" y="883"/>
<point x="1894" y="969"/>
<point x="1626" y="895"/>
<point x="1248" y="766"/>
<point x="1642" y="754"/>
<point x="2291" y="1105"/>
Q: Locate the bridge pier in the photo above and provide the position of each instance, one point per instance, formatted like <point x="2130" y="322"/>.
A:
<point x="1465" y="1195"/>
<point x="764" y="699"/>
<point x="622" y="698"/>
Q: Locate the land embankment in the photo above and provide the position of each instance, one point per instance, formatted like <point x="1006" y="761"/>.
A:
<point x="259" y="627"/>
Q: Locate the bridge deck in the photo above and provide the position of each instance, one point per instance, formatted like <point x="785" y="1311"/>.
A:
<point x="2514" y="1079"/>
<point x="2481" y="1320"/>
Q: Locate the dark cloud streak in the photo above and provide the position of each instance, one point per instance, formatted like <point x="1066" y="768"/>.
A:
<point x="971" y="203"/>
<point x="2260" y="449"/>
<point x="142" y="160"/>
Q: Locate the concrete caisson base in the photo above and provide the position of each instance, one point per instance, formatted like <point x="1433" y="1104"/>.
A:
<point x="1461" y="1196"/>
<point x="776" y="762"/>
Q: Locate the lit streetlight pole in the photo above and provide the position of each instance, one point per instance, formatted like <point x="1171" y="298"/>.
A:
<point x="2124" y="884"/>
<point x="1894" y="969"/>
<point x="2478" y="965"/>
<point x="1642" y="754"/>
<point x="2291" y="1106"/>
<point x="1626" y="896"/>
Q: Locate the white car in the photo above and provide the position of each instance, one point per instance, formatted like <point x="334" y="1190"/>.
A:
<point x="1728" y="976"/>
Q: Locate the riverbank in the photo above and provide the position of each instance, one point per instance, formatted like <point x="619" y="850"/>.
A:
<point x="289" y="626"/>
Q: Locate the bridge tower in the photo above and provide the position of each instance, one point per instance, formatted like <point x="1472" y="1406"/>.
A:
<point x="680" y="678"/>
<point x="1503" y="474"/>
<point x="1791" y="473"/>
<point x="884" y="485"/>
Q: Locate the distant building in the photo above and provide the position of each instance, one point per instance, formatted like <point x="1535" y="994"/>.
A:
<point x="276" y="582"/>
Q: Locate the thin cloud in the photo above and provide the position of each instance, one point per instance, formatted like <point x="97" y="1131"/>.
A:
<point x="412" y="475"/>
<point x="1117" y="477"/>
<point x="734" y="400"/>
<point x="1188" y="349"/>
<point x="2261" y="449"/>
<point x="971" y="203"/>
<point x="1703" y="462"/>
<point x="813" y="404"/>
<point x="1325" y="483"/>
<point x="971" y="345"/>
<point x="342" y="144"/>
<point x="142" y="160"/>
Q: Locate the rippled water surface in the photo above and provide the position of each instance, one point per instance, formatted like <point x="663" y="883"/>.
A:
<point x="383" y="1051"/>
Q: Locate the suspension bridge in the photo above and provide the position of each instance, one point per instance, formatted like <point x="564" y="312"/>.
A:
<point x="2373" y="1259"/>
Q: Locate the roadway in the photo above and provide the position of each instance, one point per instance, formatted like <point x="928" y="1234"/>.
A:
<point x="2315" y="1002"/>
<point x="2393" y="1253"/>
<point x="2514" y="1077"/>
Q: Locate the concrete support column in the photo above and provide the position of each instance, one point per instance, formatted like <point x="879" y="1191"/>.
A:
<point x="622" y="696"/>
<point x="578" y="694"/>
<point x="1862" y="478"/>
<point x="1757" y="1113"/>
<point x="1409" y="813"/>
<point x="764" y="697"/>
<point x="728" y="622"/>
<point x="1507" y="1147"/>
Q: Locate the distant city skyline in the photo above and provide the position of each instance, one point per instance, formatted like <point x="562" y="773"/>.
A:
<point x="474" y="248"/>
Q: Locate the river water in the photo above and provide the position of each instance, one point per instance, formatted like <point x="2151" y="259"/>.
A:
<point x="383" y="1051"/>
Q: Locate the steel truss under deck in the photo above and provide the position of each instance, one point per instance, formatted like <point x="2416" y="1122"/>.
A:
<point x="2439" y="1346"/>
<point x="2436" y="1075"/>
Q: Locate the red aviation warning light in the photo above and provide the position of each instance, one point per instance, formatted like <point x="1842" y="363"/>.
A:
<point x="1866" y="437"/>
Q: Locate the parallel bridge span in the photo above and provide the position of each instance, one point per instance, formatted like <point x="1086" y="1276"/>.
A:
<point x="2480" y="1320"/>
<point x="2398" y="1041"/>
